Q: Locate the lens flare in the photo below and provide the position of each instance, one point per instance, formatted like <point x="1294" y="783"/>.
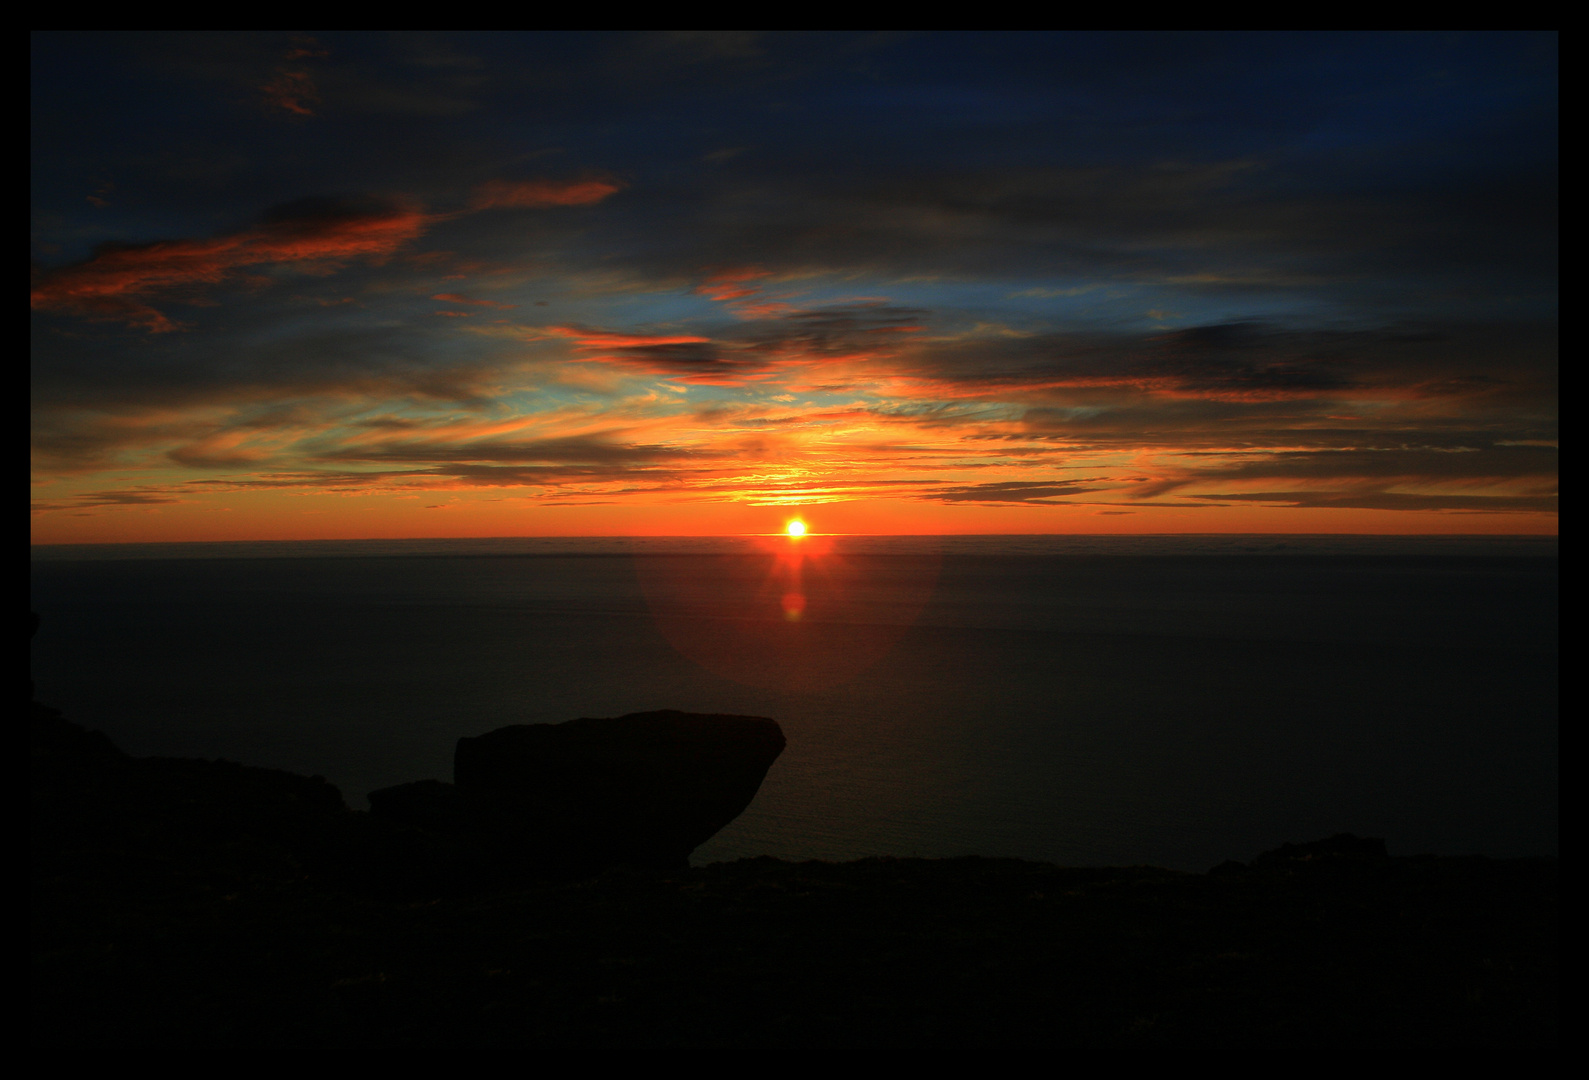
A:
<point x="796" y="527"/>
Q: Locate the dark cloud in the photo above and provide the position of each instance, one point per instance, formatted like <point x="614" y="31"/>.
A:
<point x="509" y="476"/>
<point x="1254" y="384"/>
<point x="1007" y="492"/>
<point x="736" y="353"/>
<point x="695" y="360"/>
<point x="840" y="330"/>
<point x="1465" y="463"/>
<point x="273" y="358"/>
<point x="1390" y="500"/>
<point x="582" y="450"/>
<point x="925" y="153"/>
<point x="129" y="497"/>
<point x="198" y="457"/>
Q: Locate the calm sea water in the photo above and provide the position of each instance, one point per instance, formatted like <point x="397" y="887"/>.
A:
<point x="1085" y="700"/>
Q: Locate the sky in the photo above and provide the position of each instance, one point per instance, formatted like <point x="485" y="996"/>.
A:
<point x="306" y="285"/>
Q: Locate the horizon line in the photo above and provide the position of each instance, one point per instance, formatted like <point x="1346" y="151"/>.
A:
<point x="780" y="533"/>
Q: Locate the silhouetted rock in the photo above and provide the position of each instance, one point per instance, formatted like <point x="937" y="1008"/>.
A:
<point x="639" y="790"/>
<point x="428" y="804"/>
<point x="1335" y="849"/>
<point x="57" y="744"/>
<point x="153" y="819"/>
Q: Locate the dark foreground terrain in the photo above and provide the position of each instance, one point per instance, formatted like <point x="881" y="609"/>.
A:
<point x="186" y="903"/>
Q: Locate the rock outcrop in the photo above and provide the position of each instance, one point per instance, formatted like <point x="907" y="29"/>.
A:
<point x="1333" y="853"/>
<point x="641" y="790"/>
<point x="147" y="819"/>
<point x="1341" y="846"/>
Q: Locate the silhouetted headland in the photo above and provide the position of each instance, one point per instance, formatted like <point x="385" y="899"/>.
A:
<point x="186" y="903"/>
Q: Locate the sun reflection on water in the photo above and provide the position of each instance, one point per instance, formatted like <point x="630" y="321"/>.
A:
<point x="794" y="611"/>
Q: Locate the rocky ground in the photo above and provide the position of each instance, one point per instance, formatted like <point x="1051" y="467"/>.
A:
<point x="189" y="903"/>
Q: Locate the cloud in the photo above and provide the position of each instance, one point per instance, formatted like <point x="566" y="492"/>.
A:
<point x="584" y="449"/>
<point x="516" y="194"/>
<point x="735" y="356"/>
<point x="688" y="357"/>
<point x="1395" y="500"/>
<point x="1242" y="375"/>
<point x="292" y="89"/>
<point x="863" y="328"/>
<point x="293" y="92"/>
<point x="1007" y="492"/>
<point x="319" y="235"/>
<point x="745" y="300"/>
<point x="1242" y="361"/>
<point x="128" y="497"/>
<point x="728" y="285"/>
<point x="198" y="457"/>
<point x="1500" y="462"/>
<point x="1500" y="478"/>
<point x="928" y="279"/>
<point x="1236" y="362"/>
<point x="454" y="298"/>
<point x="121" y="282"/>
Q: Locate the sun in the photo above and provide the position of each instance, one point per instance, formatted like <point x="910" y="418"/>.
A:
<point x="796" y="527"/>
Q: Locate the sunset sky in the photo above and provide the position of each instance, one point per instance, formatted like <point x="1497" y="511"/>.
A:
<point x="337" y="285"/>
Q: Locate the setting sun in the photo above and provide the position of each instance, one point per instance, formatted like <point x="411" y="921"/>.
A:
<point x="1137" y="380"/>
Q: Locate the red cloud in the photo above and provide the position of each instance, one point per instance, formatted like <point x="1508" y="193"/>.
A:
<point x="292" y="91"/>
<point x="531" y="193"/>
<point x="730" y="284"/>
<point x="603" y="339"/>
<point x="118" y="281"/>
<point x="454" y="298"/>
<point x="743" y="299"/>
<point x="599" y="339"/>
<point x="304" y="47"/>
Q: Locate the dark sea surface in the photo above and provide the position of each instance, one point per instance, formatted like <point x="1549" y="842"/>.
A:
<point x="1174" y="701"/>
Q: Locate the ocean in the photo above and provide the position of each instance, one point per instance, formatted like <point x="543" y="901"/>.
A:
<point x="1165" y="700"/>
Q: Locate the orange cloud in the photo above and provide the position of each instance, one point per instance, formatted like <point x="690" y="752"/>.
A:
<point x="118" y="281"/>
<point x="539" y="193"/>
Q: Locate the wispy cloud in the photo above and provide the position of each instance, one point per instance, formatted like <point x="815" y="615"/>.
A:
<point x="292" y="88"/>
<point x="454" y="298"/>
<point x="314" y="235"/>
<point x="521" y="194"/>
